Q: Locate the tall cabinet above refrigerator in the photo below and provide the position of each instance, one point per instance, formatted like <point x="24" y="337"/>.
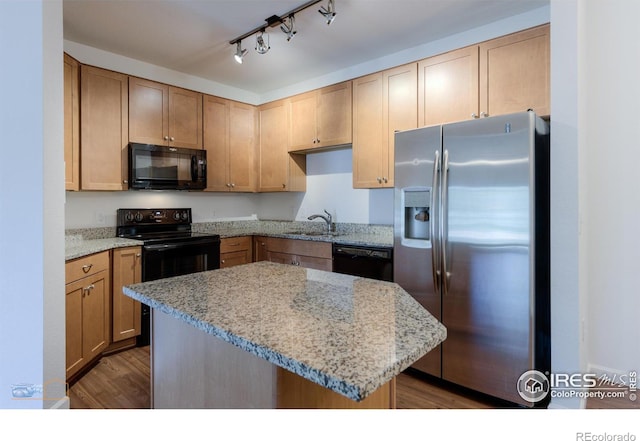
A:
<point x="471" y="244"/>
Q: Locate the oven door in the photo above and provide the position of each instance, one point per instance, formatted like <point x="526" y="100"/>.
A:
<point x="170" y="259"/>
<point x="177" y="258"/>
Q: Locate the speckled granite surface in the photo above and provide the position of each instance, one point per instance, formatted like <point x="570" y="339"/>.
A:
<point x="349" y="334"/>
<point x="78" y="247"/>
<point x="82" y="242"/>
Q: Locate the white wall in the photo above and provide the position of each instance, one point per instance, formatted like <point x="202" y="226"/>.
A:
<point x="32" y="335"/>
<point x="567" y="296"/>
<point x="609" y="140"/>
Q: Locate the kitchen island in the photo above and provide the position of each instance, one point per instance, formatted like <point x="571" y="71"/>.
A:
<point x="267" y="335"/>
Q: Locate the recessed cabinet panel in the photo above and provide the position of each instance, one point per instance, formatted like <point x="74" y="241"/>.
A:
<point x="448" y="87"/>
<point x="515" y="73"/>
<point x="104" y="129"/>
<point x="71" y="123"/>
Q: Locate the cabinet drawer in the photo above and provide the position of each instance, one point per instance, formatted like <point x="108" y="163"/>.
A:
<point x="231" y="244"/>
<point x="86" y="266"/>
<point x="300" y="247"/>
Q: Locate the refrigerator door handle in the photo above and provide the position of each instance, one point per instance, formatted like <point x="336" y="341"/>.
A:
<point x="435" y="248"/>
<point x="444" y="221"/>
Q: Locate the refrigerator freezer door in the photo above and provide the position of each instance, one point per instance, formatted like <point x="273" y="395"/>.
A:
<point x="487" y="307"/>
<point x="415" y="212"/>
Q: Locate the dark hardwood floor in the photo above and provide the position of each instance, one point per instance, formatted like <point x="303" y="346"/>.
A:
<point x="122" y="381"/>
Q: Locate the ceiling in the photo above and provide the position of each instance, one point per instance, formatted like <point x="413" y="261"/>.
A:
<point x="192" y="36"/>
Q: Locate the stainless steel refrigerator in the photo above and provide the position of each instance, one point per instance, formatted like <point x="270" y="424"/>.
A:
<point x="471" y="244"/>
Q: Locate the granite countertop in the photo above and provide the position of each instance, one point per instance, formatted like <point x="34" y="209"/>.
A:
<point x="349" y="334"/>
<point x="79" y="247"/>
<point x="83" y="242"/>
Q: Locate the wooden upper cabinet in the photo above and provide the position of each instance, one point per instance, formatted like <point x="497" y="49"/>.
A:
<point x="515" y="73"/>
<point x="278" y="170"/>
<point x="104" y="129"/>
<point x="230" y="132"/>
<point x="321" y="118"/>
<point x="164" y="115"/>
<point x="71" y="123"/>
<point x="383" y="103"/>
<point x="448" y="87"/>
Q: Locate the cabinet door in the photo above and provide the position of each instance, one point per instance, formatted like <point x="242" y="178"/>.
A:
<point x="302" y="129"/>
<point x="216" y="142"/>
<point x="126" y="269"/>
<point x="95" y="316"/>
<point x="368" y="135"/>
<point x="273" y="170"/>
<point x="334" y="115"/>
<point x="104" y="130"/>
<point x="73" y="327"/>
<point x="148" y="112"/>
<point x="318" y="263"/>
<point x="260" y="248"/>
<point x="185" y="118"/>
<point x="284" y="258"/>
<point x="448" y="87"/>
<point x="86" y="320"/>
<point x="400" y="111"/>
<point x="514" y="73"/>
<point x="242" y="147"/>
<point x="71" y="123"/>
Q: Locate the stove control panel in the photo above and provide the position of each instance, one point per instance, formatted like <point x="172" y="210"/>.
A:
<point x="153" y="216"/>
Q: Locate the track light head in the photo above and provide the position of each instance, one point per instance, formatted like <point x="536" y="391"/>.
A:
<point x="240" y="53"/>
<point x="329" y="13"/>
<point x="262" y="47"/>
<point x="289" y="29"/>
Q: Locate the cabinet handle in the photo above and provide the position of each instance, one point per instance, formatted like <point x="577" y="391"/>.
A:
<point x="379" y="179"/>
<point x="483" y="114"/>
<point x="228" y="185"/>
<point x="233" y="185"/>
<point x="385" y="180"/>
<point x="87" y="268"/>
<point x="138" y="255"/>
<point x="284" y="186"/>
<point x="313" y="141"/>
<point x="474" y="116"/>
<point x="87" y="290"/>
<point x="125" y="182"/>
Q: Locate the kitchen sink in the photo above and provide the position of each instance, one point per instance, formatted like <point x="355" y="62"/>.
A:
<point x="311" y="233"/>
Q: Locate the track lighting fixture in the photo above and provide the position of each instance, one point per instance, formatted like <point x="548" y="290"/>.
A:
<point x="289" y="29"/>
<point x="286" y="23"/>
<point x="262" y="47"/>
<point x="240" y="53"/>
<point x="329" y="12"/>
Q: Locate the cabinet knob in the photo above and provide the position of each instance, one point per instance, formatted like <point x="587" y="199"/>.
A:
<point x="233" y="185"/>
<point x="284" y="186"/>
<point x="379" y="179"/>
<point x="222" y="261"/>
<point x="474" y="116"/>
<point x="228" y="185"/>
<point x="385" y="180"/>
<point x="172" y="139"/>
<point x="138" y="255"/>
<point x="483" y="114"/>
<point x="166" y="138"/>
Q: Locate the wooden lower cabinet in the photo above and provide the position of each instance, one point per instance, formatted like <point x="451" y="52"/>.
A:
<point x="127" y="270"/>
<point x="305" y="253"/>
<point x="259" y="248"/>
<point x="235" y="251"/>
<point x="87" y="310"/>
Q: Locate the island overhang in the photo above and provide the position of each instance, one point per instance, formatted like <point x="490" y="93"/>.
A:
<point x="348" y="334"/>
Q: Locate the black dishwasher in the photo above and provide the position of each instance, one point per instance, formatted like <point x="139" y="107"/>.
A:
<point x="363" y="261"/>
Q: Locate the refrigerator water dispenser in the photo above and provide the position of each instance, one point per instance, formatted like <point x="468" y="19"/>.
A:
<point x="417" y="216"/>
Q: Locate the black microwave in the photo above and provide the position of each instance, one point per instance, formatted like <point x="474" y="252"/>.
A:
<point x="156" y="167"/>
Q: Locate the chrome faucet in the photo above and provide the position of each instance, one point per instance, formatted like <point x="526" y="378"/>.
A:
<point x="326" y="218"/>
